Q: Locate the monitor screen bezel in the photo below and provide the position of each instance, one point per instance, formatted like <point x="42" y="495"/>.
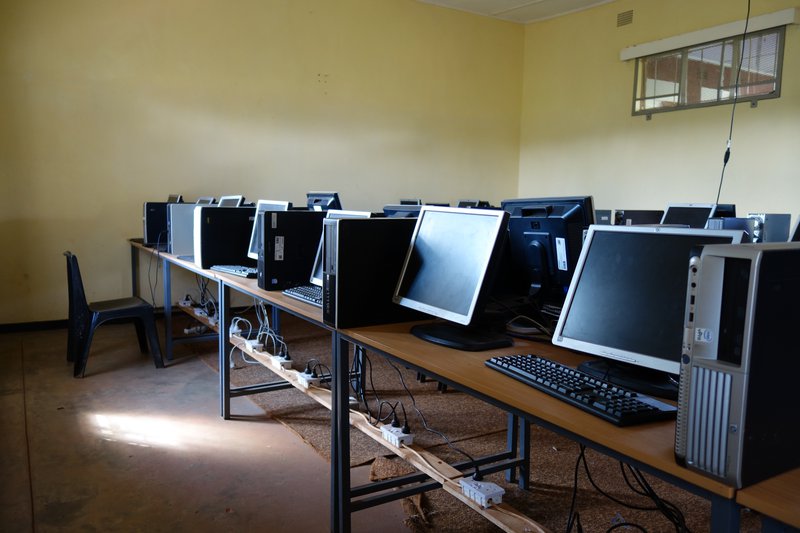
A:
<point x="261" y="207"/>
<point x="614" y="353"/>
<point x="711" y="209"/>
<point x="500" y="225"/>
<point x="205" y="200"/>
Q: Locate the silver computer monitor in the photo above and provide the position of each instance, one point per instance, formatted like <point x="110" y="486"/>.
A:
<point x="317" y="272"/>
<point x="205" y="200"/>
<point x="230" y="201"/>
<point x="261" y="207"/>
<point x="691" y="215"/>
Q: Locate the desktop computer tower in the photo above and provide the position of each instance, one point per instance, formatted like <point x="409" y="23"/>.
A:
<point x="361" y="265"/>
<point x="770" y="227"/>
<point x="180" y="228"/>
<point x="222" y="235"/>
<point x="155" y="224"/>
<point x="740" y="363"/>
<point x="287" y="244"/>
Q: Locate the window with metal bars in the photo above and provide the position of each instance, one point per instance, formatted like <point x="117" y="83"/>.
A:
<point x="709" y="74"/>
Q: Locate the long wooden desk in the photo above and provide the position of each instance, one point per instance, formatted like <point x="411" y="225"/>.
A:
<point x="225" y="282"/>
<point x="649" y="447"/>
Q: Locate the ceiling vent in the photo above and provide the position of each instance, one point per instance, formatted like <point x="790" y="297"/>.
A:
<point x="625" y="18"/>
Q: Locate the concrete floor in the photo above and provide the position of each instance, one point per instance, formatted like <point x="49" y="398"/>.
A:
<point x="132" y="448"/>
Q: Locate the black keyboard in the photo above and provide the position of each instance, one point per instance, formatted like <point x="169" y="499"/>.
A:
<point x="236" y="270"/>
<point x="311" y="294"/>
<point x="600" y="398"/>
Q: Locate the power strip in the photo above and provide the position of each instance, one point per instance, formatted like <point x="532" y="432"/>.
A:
<point x="484" y="493"/>
<point x="306" y="380"/>
<point x="281" y="361"/>
<point x="254" y="345"/>
<point x="396" y="436"/>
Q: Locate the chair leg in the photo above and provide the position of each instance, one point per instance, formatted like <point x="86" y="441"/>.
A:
<point x="82" y="355"/>
<point x="155" y="347"/>
<point x="140" y="334"/>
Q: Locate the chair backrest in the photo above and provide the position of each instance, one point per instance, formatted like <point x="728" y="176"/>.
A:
<point x="77" y="296"/>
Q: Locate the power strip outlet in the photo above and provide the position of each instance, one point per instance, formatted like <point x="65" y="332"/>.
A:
<point x="281" y="361"/>
<point x="254" y="345"/>
<point x="306" y="380"/>
<point x="484" y="493"/>
<point x="396" y="436"/>
<point x="199" y="311"/>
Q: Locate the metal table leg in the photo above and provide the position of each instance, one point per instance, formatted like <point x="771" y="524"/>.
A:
<point x="167" y="308"/>
<point x="223" y="310"/>
<point x="340" y="437"/>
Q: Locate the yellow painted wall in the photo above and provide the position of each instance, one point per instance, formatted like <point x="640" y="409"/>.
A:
<point x="104" y="105"/>
<point x="578" y="135"/>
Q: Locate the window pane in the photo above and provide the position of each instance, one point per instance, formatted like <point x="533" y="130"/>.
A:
<point x="706" y="74"/>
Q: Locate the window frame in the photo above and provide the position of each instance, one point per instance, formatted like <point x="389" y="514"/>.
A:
<point x="684" y="52"/>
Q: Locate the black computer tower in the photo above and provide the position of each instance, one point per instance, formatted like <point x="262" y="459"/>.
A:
<point x="287" y="246"/>
<point x="362" y="263"/>
<point x="155" y="224"/>
<point x="222" y="235"/>
<point x="740" y="362"/>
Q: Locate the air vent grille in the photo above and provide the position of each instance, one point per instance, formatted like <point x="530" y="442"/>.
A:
<point x="625" y="18"/>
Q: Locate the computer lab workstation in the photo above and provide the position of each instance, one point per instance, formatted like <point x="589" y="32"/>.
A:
<point x="662" y="344"/>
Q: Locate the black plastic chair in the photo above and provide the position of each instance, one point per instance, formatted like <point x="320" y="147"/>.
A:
<point x="84" y="317"/>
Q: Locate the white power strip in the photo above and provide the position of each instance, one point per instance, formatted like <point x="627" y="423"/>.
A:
<point x="396" y="436"/>
<point x="281" y="361"/>
<point x="484" y="493"/>
<point x="306" y="379"/>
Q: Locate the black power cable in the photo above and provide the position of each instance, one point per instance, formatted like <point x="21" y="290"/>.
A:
<point x="727" y="155"/>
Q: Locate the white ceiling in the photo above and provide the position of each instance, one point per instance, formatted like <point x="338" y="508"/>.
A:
<point x="522" y="11"/>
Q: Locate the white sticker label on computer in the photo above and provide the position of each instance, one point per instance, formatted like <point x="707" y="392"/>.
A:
<point x="703" y="335"/>
<point x="561" y="253"/>
<point x="274" y="221"/>
<point x="279" y="248"/>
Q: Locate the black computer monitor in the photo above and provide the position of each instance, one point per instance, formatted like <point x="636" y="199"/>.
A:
<point x="691" y="215"/>
<point x="795" y="237"/>
<point x="637" y="217"/>
<point x="545" y="240"/>
<point x="627" y="303"/>
<point x="401" y="210"/>
<point x="175" y="199"/>
<point x="323" y="200"/>
<point x="473" y="203"/>
<point x="263" y="206"/>
<point x="448" y="273"/>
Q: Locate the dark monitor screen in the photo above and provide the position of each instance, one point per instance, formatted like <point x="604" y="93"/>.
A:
<point x="448" y="268"/>
<point x="628" y="296"/>
<point x="796" y="233"/>
<point x="323" y="200"/>
<point x="692" y="215"/>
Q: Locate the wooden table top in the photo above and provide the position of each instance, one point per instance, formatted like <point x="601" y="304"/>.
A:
<point x="651" y="444"/>
<point x="777" y="497"/>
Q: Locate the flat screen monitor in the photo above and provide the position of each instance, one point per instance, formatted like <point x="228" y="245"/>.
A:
<point x="410" y="201"/>
<point x="175" y="199"/>
<point x="447" y="273"/>
<point x="637" y="217"/>
<point x="317" y="272"/>
<point x="230" y="201"/>
<point x="627" y="301"/>
<point x="545" y="237"/>
<point x="401" y="210"/>
<point x="261" y="207"/>
<point x="205" y="200"/>
<point x="323" y="200"/>
<point x="795" y="237"/>
<point x="691" y="215"/>
<point x="473" y="203"/>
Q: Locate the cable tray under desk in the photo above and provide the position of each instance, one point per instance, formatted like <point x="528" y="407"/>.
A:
<point x="503" y="515"/>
